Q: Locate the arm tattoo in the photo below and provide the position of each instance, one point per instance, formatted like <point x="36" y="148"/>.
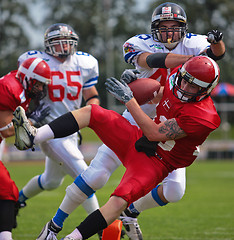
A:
<point x="172" y="129"/>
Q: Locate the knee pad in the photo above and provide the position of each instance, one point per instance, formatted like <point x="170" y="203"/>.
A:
<point x="173" y="191"/>
<point x="101" y="168"/>
<point x="76" y="194"/>
<point x="50" y="184"/>
<point x="98" y="177"/>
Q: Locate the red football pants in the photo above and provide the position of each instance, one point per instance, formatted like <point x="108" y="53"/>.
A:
<point x="8" y="188"/>
<point x="142" y="173"/>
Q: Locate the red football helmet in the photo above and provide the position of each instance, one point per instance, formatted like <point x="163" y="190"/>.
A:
<point x="201" y="71"/>
<point x="30" y="72"/>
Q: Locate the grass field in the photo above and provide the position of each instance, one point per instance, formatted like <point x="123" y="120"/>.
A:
<point x="205" y="212"/>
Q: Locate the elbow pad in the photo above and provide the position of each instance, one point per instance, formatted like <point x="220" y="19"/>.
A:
<point x="211" y="55"/>
<point x="156" y="60"/>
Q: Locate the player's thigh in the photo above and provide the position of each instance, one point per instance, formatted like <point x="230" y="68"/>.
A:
<point x="101" y="167"/>
<point x="114" y="130"/>
<point x="8" y="188"/>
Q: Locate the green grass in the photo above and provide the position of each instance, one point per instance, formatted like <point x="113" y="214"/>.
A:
<point x="206" y="211"/>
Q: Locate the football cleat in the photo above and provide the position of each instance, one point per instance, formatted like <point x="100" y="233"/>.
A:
<point x="22" y="205"/>
<point x="49" y="231"/>
<point x="131" y="225"/>
<point x="24" y="132"/>
<point x="113" y="231"/>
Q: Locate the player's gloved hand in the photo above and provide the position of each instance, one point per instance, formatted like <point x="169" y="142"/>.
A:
<point x="129" y="75"/>
<point x="119" y="89"/>
<point x="214" y="36"/>
<point x="146" y="146"/>
<point x="39" y="114"/>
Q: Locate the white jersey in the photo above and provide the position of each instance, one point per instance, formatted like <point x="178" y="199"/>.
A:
<point x="78" y="72"/>
<point x="192" y="44"/>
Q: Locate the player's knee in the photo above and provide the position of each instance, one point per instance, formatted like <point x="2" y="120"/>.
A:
<point x="52" y="184"/>
<point x="99" y="178"/>
<point x="174" y="191"/>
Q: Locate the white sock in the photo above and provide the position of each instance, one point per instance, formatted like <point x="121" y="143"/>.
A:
<point x="145" y="202"/>
<point x="32" y="188"/>
<point x="5" y="235"/>
<point x="44" y="133"/>
<point x="75" y="235"/>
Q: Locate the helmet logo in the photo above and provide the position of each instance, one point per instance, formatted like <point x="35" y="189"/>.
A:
<point x="166" y="10"/>
<point x="64" y="30"/>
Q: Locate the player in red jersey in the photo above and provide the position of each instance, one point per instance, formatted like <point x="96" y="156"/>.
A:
<point x="185" y="117"/>
<point x="16" y="88"/>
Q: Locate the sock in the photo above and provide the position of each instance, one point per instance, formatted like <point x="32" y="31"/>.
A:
<point x="155" y="196"/>
<point x="5" y="235"/>
<point x="60" y="217"/>
<point x="150" y="200"/>
<point x="44" y="133"/>
<point x="22" y="197"/>
<point x="75" y="235"/>
<point x="132" y="209"/>
<point x="92" y="224"/>
<point x="31" y="189"/>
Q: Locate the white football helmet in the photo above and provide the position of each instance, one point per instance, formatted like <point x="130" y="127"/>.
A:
<point x="60" y="34"/>
<point x="169" y="12"/>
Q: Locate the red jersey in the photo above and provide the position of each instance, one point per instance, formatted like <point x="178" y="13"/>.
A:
<point x="197" y="119"/>
<point x="12" y="93"/>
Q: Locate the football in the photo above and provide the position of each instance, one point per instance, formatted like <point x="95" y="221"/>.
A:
<point x="144" y="89"/>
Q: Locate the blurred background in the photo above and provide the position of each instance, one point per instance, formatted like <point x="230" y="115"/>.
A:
<point x="103" y="26"/>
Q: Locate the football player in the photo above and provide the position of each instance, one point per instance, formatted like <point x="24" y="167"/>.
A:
<point x="74" y="76"/>
<point x="154" y="56"/>
<point x="17" y="88"/>
<point x="186" y="115"/>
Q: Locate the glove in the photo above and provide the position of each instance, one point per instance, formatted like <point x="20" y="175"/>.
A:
<point x="39" y="114"/>
<point x="146" y="146"/>
<point x="129" y="75"/>
<point x="119" y="89"/>
<point x="214" y="36"/>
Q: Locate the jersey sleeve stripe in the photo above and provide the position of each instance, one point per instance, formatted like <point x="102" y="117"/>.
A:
<point x="129" y="57"/>
<point x="91" y="82"/>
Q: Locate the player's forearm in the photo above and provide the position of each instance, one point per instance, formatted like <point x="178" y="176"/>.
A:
<point x="162" y="60"/>
<point x="147" y="125"/>
<point x="218" y="49"/>
<point x="174" y="60"/>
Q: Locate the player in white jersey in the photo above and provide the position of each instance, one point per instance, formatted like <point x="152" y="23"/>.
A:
<point x="165" y="53"/>
<point x="74" y="75"/>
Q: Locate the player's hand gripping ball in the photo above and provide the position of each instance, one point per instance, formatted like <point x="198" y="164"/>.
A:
<point x="144" y="89"/>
